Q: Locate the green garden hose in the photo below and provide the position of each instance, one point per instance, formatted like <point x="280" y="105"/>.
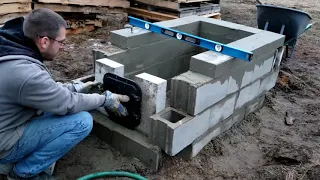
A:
<point x="112" y="174"/>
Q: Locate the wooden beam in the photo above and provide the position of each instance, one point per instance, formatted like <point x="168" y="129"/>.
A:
<point x="108" y="3"/>
<point x="80" y="9"/>
<point x="213" y="15"/>
<point x="14" y="1"/>
<point x="87" y="28"/>
<point x="157" y="16"/>
<point x="8" y="17"/>
<point x="15" y="8"/>
<point x="150" y="14"/>
<point x="161" y="3"/>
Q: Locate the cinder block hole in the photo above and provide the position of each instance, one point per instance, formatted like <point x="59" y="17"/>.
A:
<point x="172" y="116"/>
<point x="221" y="34"/>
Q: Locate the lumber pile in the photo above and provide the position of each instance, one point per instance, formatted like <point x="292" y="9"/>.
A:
<point x="83" y="15"/>
<point x="10" y="9"/>
<point x="161" y="10"/>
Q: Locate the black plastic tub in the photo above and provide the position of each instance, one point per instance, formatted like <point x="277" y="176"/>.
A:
<point x="295" y="21"/>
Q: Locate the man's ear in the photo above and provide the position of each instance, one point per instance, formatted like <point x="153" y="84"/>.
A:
<point x="44" y="42"/>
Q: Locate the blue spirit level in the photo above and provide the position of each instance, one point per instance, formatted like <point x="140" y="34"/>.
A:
<point x="198" y="41"/>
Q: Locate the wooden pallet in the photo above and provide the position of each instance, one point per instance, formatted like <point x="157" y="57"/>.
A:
<point x="106" y="3"/>
<point x="14" y="1"/>
<point x="78" y="9"/>
<point x="200" y="9"/>
<point x="157" y="16"/>
<point x="15" y="8"/>
<point x="173" y="5"/>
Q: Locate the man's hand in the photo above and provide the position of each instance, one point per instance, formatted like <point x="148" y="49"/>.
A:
<point x="113" y="103"/>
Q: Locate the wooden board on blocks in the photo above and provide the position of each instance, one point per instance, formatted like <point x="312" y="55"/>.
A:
<point x="79" y="9"/>
<point x="108" y="3"/>
<point x="157" y="16"/>
<point x="173" y="5"/>
<point x="15" y="8"/>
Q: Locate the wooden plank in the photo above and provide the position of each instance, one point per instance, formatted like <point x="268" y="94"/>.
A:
<point x="161" y="3"/>
<point x="213" y="15"/>
<point x="108" y="3"/>
<point x="15" y="8"/>
<point x="87" y="28"/>
<point x="157" y="16"/>
<point x="8" y="17"/>
<point x="150" y="14"/>
<point x="80" y="9"/>
<point x="14" y="1"/>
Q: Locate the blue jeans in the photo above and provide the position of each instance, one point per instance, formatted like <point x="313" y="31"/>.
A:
<point x="45" y="140"/>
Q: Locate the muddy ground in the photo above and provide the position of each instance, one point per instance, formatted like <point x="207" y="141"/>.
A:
<point x="260" y="147"/>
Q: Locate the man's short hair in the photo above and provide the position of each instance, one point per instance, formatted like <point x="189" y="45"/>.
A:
<point x="43" y="22"/>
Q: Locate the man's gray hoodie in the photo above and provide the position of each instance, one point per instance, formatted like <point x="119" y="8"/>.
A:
<point x="26" y="87"/>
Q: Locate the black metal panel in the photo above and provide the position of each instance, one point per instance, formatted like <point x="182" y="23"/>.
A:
<point x="120" y="85"/>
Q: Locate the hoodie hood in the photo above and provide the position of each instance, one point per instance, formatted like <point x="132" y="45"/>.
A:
<point x="13" y="41"/>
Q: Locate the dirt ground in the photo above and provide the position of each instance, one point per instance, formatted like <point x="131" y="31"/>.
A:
<point x="260" y="147"/>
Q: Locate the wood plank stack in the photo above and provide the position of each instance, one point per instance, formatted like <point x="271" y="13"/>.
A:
<point x="10" y="9"/>
<point x="83" y="15"/>
<point x="160" y="10"/>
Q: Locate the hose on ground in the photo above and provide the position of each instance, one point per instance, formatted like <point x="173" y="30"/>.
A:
<point x="112" y="174"/>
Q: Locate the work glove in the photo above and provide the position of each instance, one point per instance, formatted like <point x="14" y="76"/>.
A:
<point x="113" y="103"/>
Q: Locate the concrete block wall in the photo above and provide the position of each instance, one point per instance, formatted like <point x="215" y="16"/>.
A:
<point x="209" y="91"/>
<point x="220" y="88"/>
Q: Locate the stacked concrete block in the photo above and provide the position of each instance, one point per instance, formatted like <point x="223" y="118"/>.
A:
<point x="153" y="99"/>
<point x="209" y="91"/>
<point x="241" y="86"/>
<point x="193" y="92"/>
<point x="143" y="51"/>
<point x="174" y="130"/>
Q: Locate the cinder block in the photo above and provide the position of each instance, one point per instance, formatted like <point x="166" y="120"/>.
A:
<point x="126" y="141"/>
<point x="247" y="94"/>
<point x="255" y="104"/>
<point x="167" y="69"/>
<point x="260" y="44"/>
<point x="103" y="66"/>
<point x="210" y="63"/>
<point x="245" y="74"/>
<point x="238" y="116"/>
<point x="269" y="81"/>
<point x="127" y="39"/>
<point x="174" y="130"/>
<point x="263" y="66"/>
<point x="193" y="93"/>
<point x="240" y="77"/>
<point x="153" y="99"/>
<point x="222" y="110"/>
<point x="194" y="149"/>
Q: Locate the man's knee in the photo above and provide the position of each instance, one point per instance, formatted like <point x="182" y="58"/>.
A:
<point x="86" y="121"/>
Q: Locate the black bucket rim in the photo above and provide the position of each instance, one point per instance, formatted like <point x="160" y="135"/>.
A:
<point x="282" y="7"/>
